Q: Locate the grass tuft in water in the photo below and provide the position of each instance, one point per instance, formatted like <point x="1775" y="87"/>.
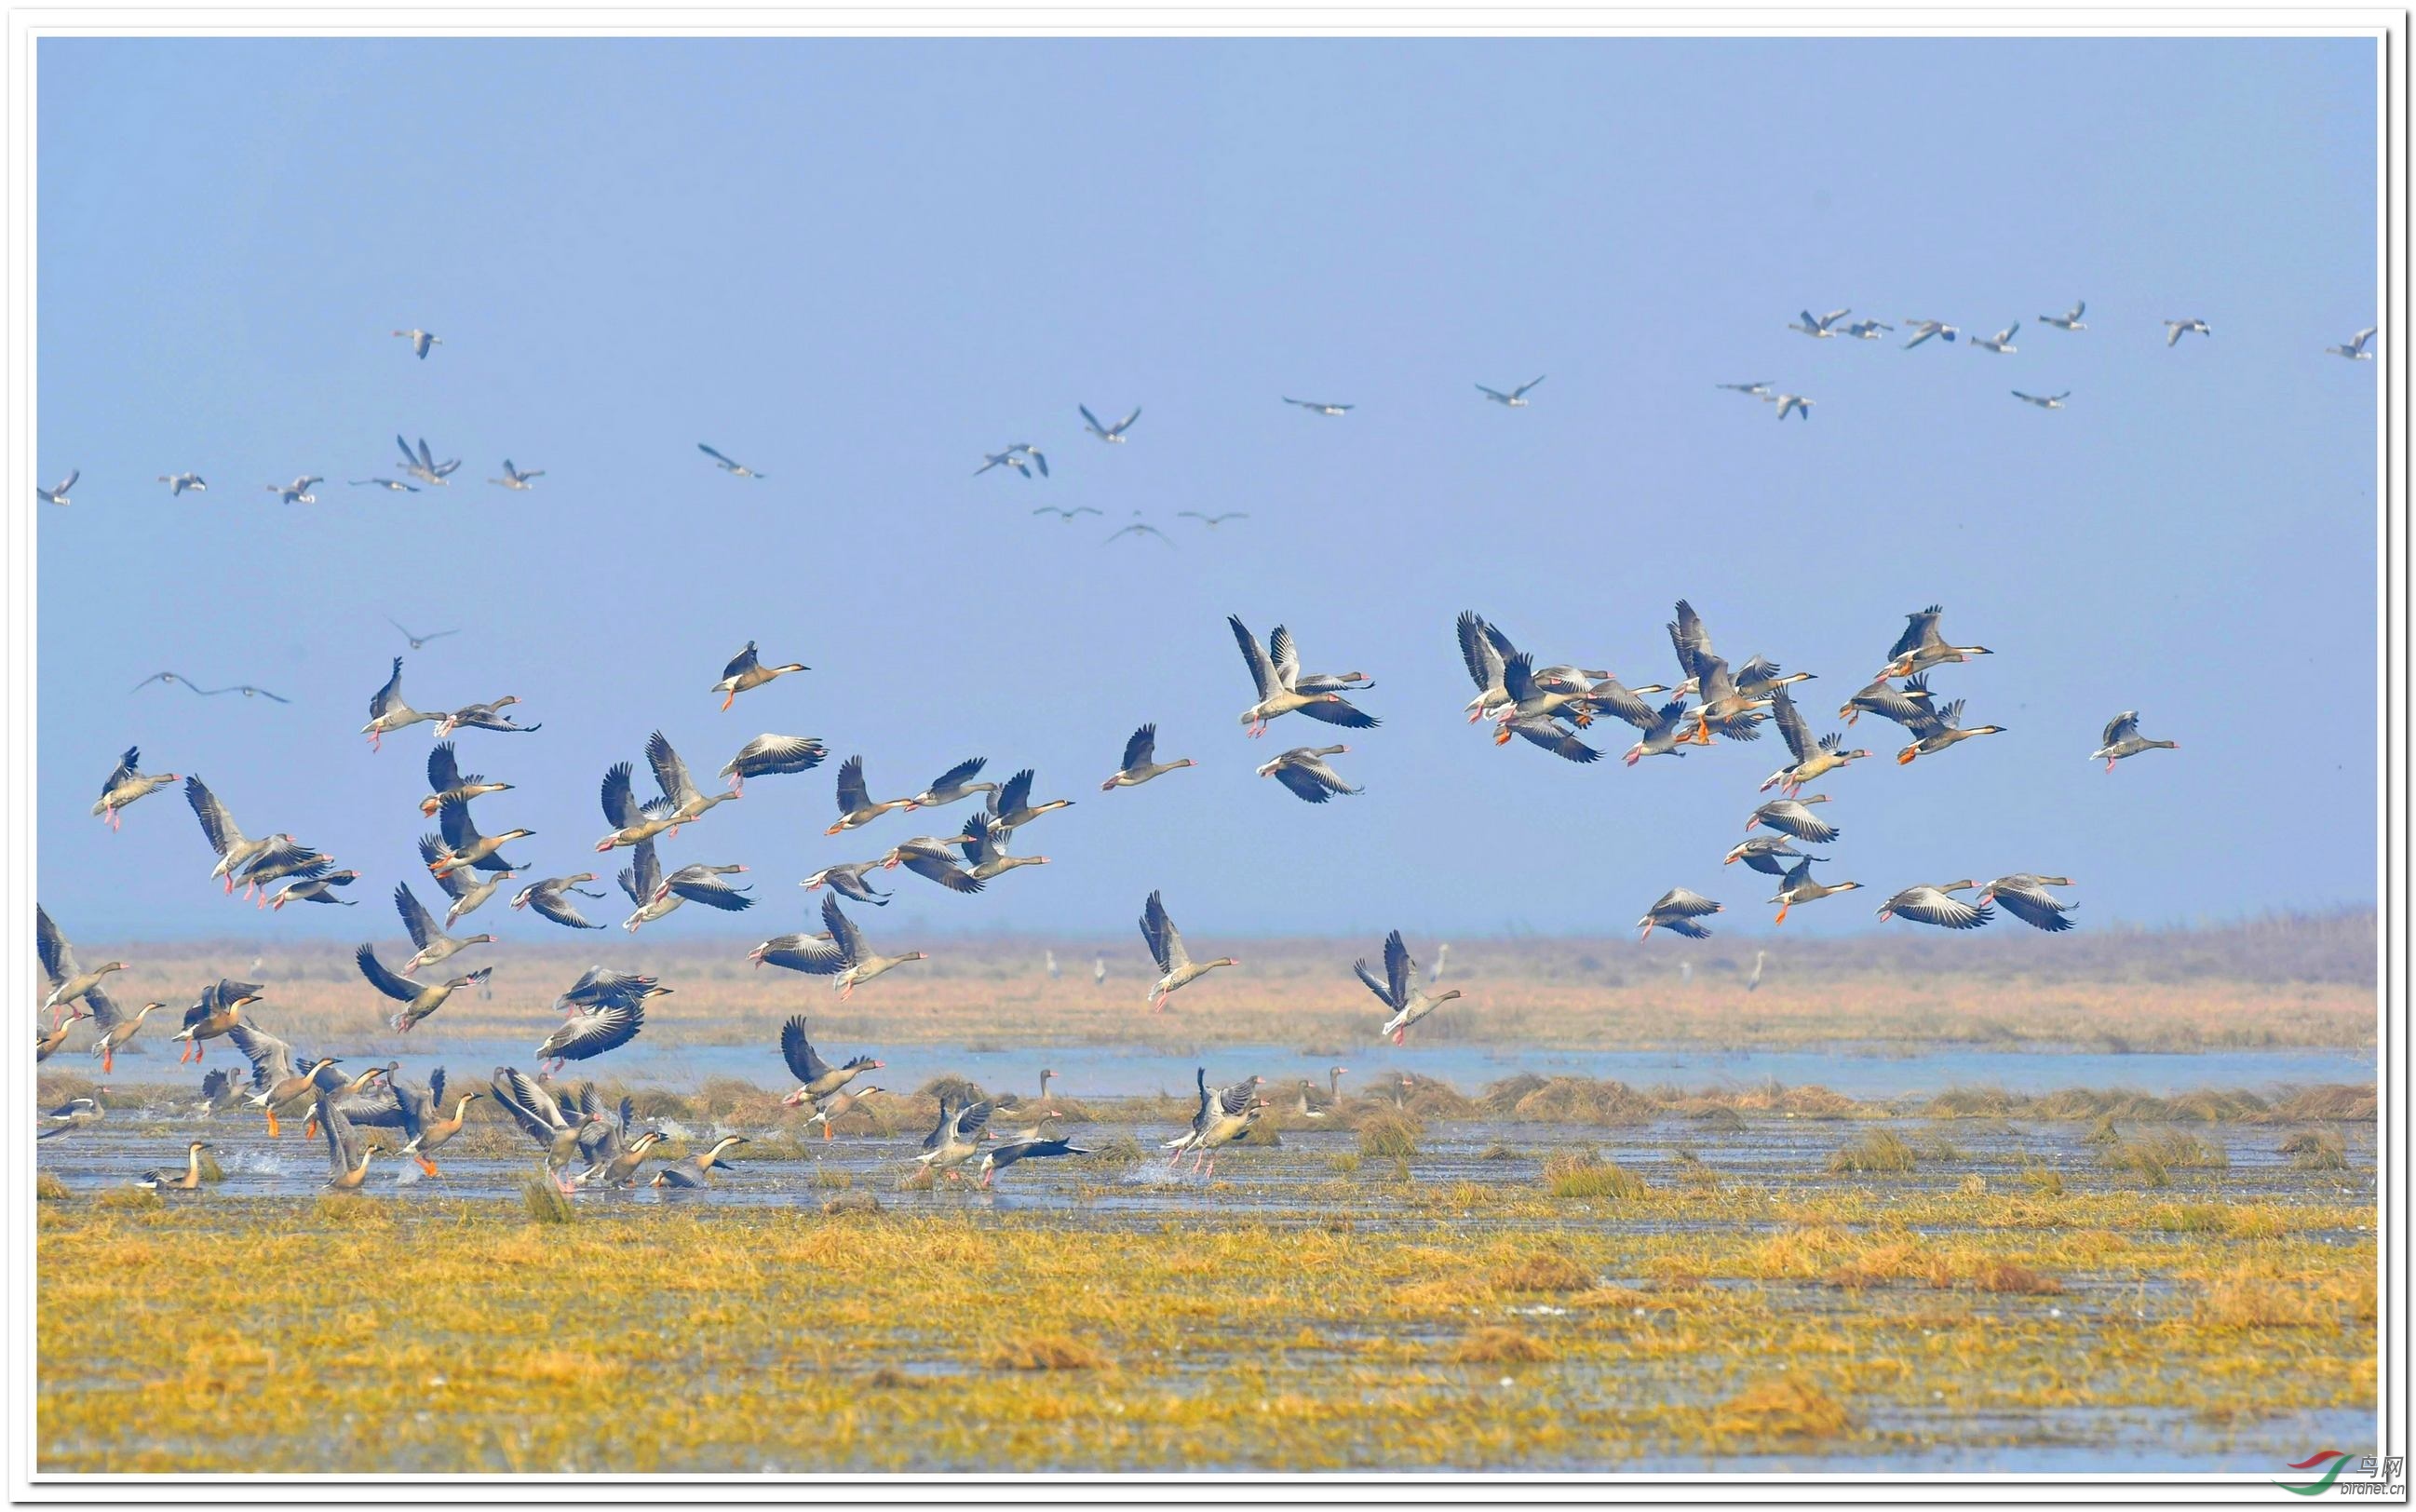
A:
<point x="1389" y="1136"/>
<point x="1879" y="1152"/>
<point x="546" y="1203"/>
<point x="1788" y="1408"/>
<point x="49" y="1188"/>
<point x="1547" y="1270"/>
<point x="1586" y="1174"/>
<point x="2317" y="1149"/>
<point x="1045" y="1351"/>
<point x="1497" y="1345"/>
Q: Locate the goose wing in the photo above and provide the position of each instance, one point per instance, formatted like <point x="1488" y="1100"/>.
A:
<point x="741" y="664"/>
<point x="1928" y="905"/>
<point x="552" y="902"/>
<point x="1013" y="794"/>
<point x="271" y="1058"/>
<point x="1684" y="903"/>
<point x="2034" y="907"/>
<point x="1792" y="727"/>
<point x="58" y="957"/>
<point x="1689" y="639"/>
<point x="2122" y="727"/>
<point x="1311" y="781"/>
<point x="1341" y="711"/>
<point x="1262" y="672"/>
<point x="1920" y="630"/>
<point x="815" y="955"/>
<point x="1560" y="741"/>
<point x="959" y="775"/>
<point x="1376" y="985"/>
<point x="843" y="932"/>
<point x="218" y="825"/>
<point x="455" y="882"/>
<point x="770" y="755"/>
<point x="1141" y="749"/>
<point x="444" y="769"/>
<point x="1165" y="941"/>
<point x="944" y="871"/>
<point x="621" y="808"/>
<point x="401" y="988"/>
<point x="643" y="875"/>
<point x="699" y="885"/>
<point x="609" y="1028"/>
<point x="852" y="794"/>
<point x="1399" y="970"/>
<point x="126" y="771"/>
<point x="389" y="696"/>
<point x="1286" y="657"/>
<point x="419" y="923"/>
<point x="796" y="1049"/>
<point x="670" y="772"/>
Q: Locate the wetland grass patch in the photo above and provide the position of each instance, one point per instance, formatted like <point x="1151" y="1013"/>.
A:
<point x="1876" y="1151"/>
<point x="1496" y="1344"/>
<point x="1389" y="1136"/>
<point x="1045" y="1351"/>
<point x="1586" y="1174"/>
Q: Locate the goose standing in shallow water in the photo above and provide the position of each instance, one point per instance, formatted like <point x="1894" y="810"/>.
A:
<point x="1176" y="968"/>
<point x="126" y="785"/>
<point x="2122" y="740"/>
<point x="1316" y="1104"/>
<point x="1676" y="910"/>
<point x="744" y="672"/>
<point x="1934" y="903"/>
<point x="1141" y="762"/>
<point x="1398" y="991"/>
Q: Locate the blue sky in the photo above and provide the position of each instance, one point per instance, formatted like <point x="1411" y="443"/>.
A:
<point x="858" y="265"/>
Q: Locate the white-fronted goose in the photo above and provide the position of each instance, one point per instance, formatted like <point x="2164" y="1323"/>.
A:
<point x="430" y="942"/>
<point x="983" y="844"/>
<point x="2044" y="401"/>
<point x="847" y="881"/>
<point x="423" y="465"/>
<point x="515" y="478"/>
<point x="389" y="713"/>
<point x="1889" y="701"/>
<point x="1794" y="816"/>
<point x="859" y="962"/>
<point x="1936" y="732"/>
<point x="816" y="1076"/>
<point x="1141" y="762"/>
<point x="744" y="672"/>
<point x="1770" y="855"/>
<point x="1799" y="887"/>
<point x="1927" y="328"/>
<point x="702" y="883"/>
<point x="2025" y="896"/>
<point x="447" y="785"/>
<point x="1934" y="903"/>
<point x="771" y="756"/>
<point x="2070" y="321"/>
<point x="954" y="784"/>
<point x="633" y="823"/>
<point x="2122" y="740"/>
<point x="1303" y="770"/>
<point x="679" y="790"/>
<point x="1277" y="678"/>
<point x="418" y="999"/>
<point x="216" y="1012"/>
<point x="47" y="1042"/>
<point x="1820" y="326"/>
<point x="112" y="1027"/>
<point x="1398" y="990"/>
<point x="126" y="785"/>
<point x="1108" y="432"/>
<point x="999" y="1157"/>
<point x="487" y="716"/>
<point x="1176" y="969"/>
<point x="2176" y="329"/>
<point x="467" y="887"/>
<point x="69" y="980"/>
<point x="541" y="1118"/>
<point x="1011" y="807"/>
<point x="278" y="1081"/>
<point x="1484" y="650"/>
<point x="552" y="899"/>
<point x="934" y="857"/>
<point x="435" y="1129"/>
<point x="584" y="1035"/>
<point x="856" y="805"/>
<point x="1676" y="910"/>
<point x="234" y="851"/>
<point x="1814" y="759"/>
<point x="318" y="889"/>
<point x="2000" y="343"/>
<point x="1920" y="647"/>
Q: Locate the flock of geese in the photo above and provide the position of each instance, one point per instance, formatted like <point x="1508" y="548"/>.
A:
<point x="1556" y="707"/>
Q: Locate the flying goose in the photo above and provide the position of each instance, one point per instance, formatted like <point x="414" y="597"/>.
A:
<point x="1868" y="330"/>
<point x="1814" y="759"/>
<point x="1770" y="855"/>
<point x="1277" y="679"/>
<point x="2354" y="349"/>
<point x="420" y="341"/>
<point x="2025" y="896"/>
<point x="856" y="805"/>
<point x="1758" y="388"/>
<point x="1932" y="903"/>
<point x="389" y="713"/>
<point x="1065" y="517"/>
<point x="847" y="881"/>
<point x="465" y="847"/>
<point x="2121" y="740"/>
<point x="934" y="857"/>
<point x="1553" y="736"/>
<point x="583" y="1035"/>
<point x="2000" y="343"/>
<point x="1398" y="989"/>
<point x="178" y="680"/>
<point x="769" y="755"/>
<point x="46" y="1041"/>
<point x="1920" y="647"/>
<point x="1790" y="404"/>
<point x="348" y="1153"/>
<point x="216" y="1012"/>
<point x="70" y="980"/>
<point x="279" y="1081"/>
<point x="464" y="886"/>
<point x="816" y="955"/>
<point x="486" y="717"/>
<point x="236" y="852"/>
<point x="999" y="1156"/>
<point x="418" y="999"/>
<point x="316" y="890"/>
<point x="859" y="961"/>
<point x="2070" y="321"/>
<point x="1936" y="732"/>
<point x="744" y="672"/>
<point x="1176" y="968"/>
<point x="634" y="823"/>
<point x="1011" y="806"/>
<point x="178" y="482"/>
<point x="297" y="491"/>
<point x="514" y="478"/>
<point x="1817" y="326"/>
<point x="447" y="783"/>
<point x="431" y="944"/>
<point x="1516" y="399"/>
<point x="423" y="465"/>
<point x="1929" y="328"/>
<point x="435" y="1130"/>
<point x="59" y="494"/>
<point x="542" y="1118"/>
<point x="392" y="485"/>
<point x="1662" y="732"/>
<point x="955" y="1138"/>
<point x="953" y="785"/>
<point x="686" y="803"/>
<point x="816" y="1077"/>
<point x="1676" y="910"/>
<point x="733" y="469"/>
<point x="1009" y="458"/>
<point x="2044" y="401"/>
<point x="1319" y="407"/>
<point x="1799" y="887"/>
<point x="1889" y="701"/>
<point x="658" y="896"/>
<point x="689" y="1175"/>
<point x="1794" y="816"/>
<point x="1303" y="770"/>
<point x="421" y="640"/>
<point x="112" y="1026"/>
<point x="2176" y="329"/>
<point x="1108" y="432"/>
<point x="599" y="987"/>
<point x="1140" y="762"/>
<point x="552" y="899"/>
<point x="1211" y="521"/>
<point x="983" y="843"/>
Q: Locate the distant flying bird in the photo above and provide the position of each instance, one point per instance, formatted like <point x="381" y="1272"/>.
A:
<point x="1138" y="528"/>
<point x="423" y="464"/>
<point x="733" y="469"/>
<point x="2355" y="348"/>
<point x="1003" y="459"/>
<point x="2070" y="322"/>
<point x="1108" y="432"/>
<point x="514" y="478"/>
<point x="1929" y="328"/>
<point x="1760" y="389"/>
<point x="1319" y="408"/>
<point x="1065" y="515"/>
<point x="1031" y="453"/>
<point x="1789" y="403"/>
<point x="1141" y="762"/>
<point x="744" y="672"/>
<point x="179" y="482"/>
<point x="2001" y="344"/>
<point x="59" y="494"/>
<point x="1868" y="330"/>
<point x="1676" y="910"/>
<point x="125" y="785"/>
<point x="1211" y="521"/>
<point x="297" y="491"/>
<point x="1933" y="903"/>
<point x="421" y="340"/>
<point x="2122" y="739"/>
<point x="392" y="485"/>
<point x="418" y="640"/>
<point x="2044" y="401"/>
<point x="1517" y="398"/>
<point x="177" y="679"/>
<point x="2176" y="329"/>
<point x="1817" y="326"/>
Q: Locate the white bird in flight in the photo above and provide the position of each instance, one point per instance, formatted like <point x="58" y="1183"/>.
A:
<point x="1759" y="389"/>
<point x="1868" y="330"/>
<point x="59" y="494"/>
<point x="1108" y="432"/>
<point x="514" y="478"/>
<point x="297" y="491"/>
<point x="1065" y="515"/>
<point x="1929" y="328"/>
<point x="2355" y="348"/>
<point x="733" y="469"/>
<point x="1211" y="521"/>
<point x="2176" y="329"/>
<point x="1517" y="398"/>
<point x="2068" y="321"/>
<point x="421" y="340"/>
<point x="179" y="482"/>
<point x="392" y="485"/>
<point x="423" y="465"/>
<point x="1817" y="326"/>
<point x="1320" y="408"/>
<point x="1789" y="403"/>
<point x="2044" y="401"/>
<point x="2001" y="344"/>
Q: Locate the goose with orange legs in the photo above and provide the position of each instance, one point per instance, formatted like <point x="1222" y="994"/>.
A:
<point x="1799" y="887"/>
<point x="465" y="847"/>
<point x="744" y="672"/>
<point x="279" y="1081"/>
<point x="1676" y="910"/>
<point x="388" y="713"/>
<point x="126" y="785"/>
<point x="1398" y="991"/>
<point x="1814" y="759"/>
<point x="114" y="1025"/>
<point x="1920" y="647"/>
<point x="1278" y="678"/>
<point x="447" y="783"/>
<point x="70" y="981"/>
<point x="2122" y="740"/>
<point x="1935" y="733"/>
<point x="1141" y="762"/>
<point x="467" y="888"/>
<point x="216" y="1012"/>
<point x="542" y="1119"/>
<point x="633" y="823"/>
<point x="1176" y="969"/>
<point x="418" y="999"/>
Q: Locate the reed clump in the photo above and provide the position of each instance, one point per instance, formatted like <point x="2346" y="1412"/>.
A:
<point x="1575" y="1100"/>
<point x="1389" y="1136"/>
<point x="1879" y="1152"/>
<point x="49" y="1188"/>
<point x="545" y="1203"/>
<point x="1045" y="1351"/>
<point x="2317" y="1149"/>
<point x="1546" y="1270"/>
<point x="1586" y="1174"/>
<point x="1497" y="1345"/>
<point x="1787" y="1408"/>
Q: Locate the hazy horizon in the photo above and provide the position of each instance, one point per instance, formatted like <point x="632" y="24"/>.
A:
<point x="861" y="265"/>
